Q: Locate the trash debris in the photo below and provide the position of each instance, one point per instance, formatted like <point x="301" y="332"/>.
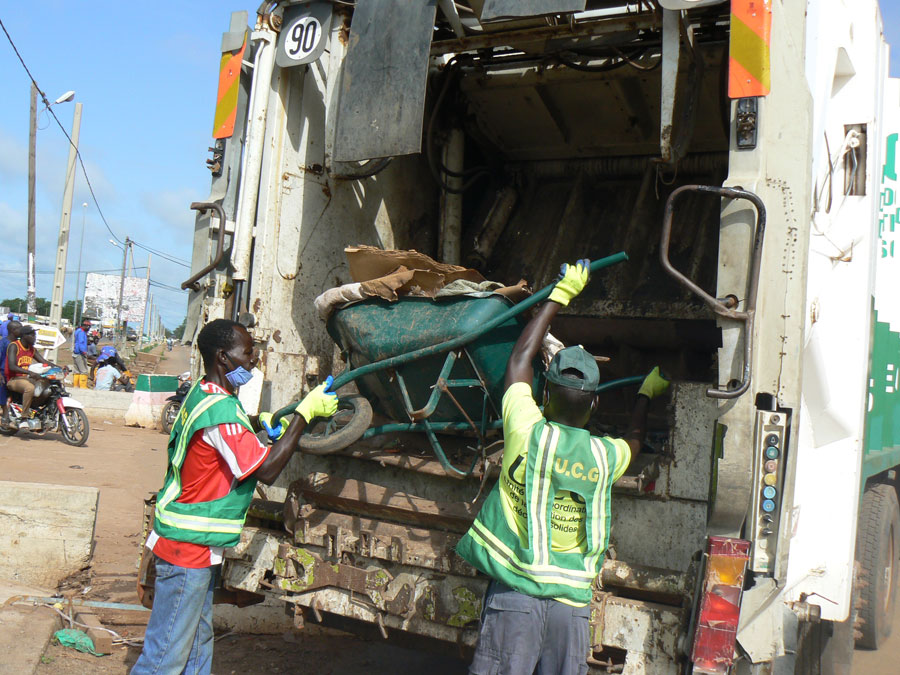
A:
<point x="76" y="639"/>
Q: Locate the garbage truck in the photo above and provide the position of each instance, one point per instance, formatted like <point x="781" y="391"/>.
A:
<point x="743" y="155"/>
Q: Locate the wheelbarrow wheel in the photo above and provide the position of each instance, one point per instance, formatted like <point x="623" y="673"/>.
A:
<point x="345" y="427"/>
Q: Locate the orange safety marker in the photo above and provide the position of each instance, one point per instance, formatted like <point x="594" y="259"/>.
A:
<point x="227" y="98"/>
<point x="748" y="58"/>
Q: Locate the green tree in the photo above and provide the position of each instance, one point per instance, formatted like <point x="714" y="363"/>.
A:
<point x="19" y="305"/>
<point x="68" y="311"/>
<point x="15" y="304"/>
<point x="178" y="332"/>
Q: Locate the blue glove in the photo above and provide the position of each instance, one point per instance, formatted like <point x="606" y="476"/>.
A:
<point x="265" y="418"/>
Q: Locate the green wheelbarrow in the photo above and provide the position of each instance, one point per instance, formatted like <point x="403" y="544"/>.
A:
<point x="432" y="366"/>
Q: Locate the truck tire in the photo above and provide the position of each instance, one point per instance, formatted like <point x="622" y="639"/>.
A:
<point x="348" y="424"/>
<point x="877" y="551"/>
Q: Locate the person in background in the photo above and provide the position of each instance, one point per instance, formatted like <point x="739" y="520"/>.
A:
<point x="13" y="328"/>
<point x="19" y="356"/>
<point x="4" y="327"/>
<point x="92" y="346"/>
<point x="215" y="461"/>
<point x="79" y="354"/>
<point x="109" y="378"/>
<point x="542" y="532"/>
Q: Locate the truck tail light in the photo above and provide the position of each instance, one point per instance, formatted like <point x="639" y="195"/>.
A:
<point x="720" y="604"/>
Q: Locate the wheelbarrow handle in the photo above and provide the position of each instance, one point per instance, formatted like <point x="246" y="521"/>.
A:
<point x="349" y="375"/>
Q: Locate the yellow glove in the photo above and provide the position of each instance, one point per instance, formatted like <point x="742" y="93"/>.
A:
<point x="653" y="385"/>
<point x="573" y="279"/>
<point x="265" y="418"/>
<point x="319" y="402"/>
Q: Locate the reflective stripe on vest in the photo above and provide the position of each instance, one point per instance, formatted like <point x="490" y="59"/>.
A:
<point x="174" y="514"/>
<point x="559" y="459"/>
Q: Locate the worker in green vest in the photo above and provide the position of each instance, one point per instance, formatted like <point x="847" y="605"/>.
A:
<point x="542" y="532"/>
<point x="215" y="461"/>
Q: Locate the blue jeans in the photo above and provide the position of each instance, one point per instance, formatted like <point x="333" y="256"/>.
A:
<point x="179" y="637"/>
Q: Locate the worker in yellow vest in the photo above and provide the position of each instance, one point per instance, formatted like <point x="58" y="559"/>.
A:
<point x="543" y="530"/>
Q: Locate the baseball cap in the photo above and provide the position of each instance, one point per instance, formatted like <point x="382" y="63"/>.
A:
<point x="586" y="375"/>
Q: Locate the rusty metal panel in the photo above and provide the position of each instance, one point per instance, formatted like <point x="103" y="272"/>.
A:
<point x="512" y="9"/>
<point x="382" y="97"/>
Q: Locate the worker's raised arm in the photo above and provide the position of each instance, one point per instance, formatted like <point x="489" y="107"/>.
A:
<point x="573" y="279"/>
<point x="653" y="385"/>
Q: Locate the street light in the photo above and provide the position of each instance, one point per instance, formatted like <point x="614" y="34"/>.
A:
<point x="78" y="300"/>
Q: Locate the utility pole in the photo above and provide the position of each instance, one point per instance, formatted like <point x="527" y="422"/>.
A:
<point x="150" y="317"/>
<point x="79" y="301"/>
<point x="118" y="332"/>
<point x="146" y="293"/>
<point x="65" y="220"/>
<point x="32" y="140"/>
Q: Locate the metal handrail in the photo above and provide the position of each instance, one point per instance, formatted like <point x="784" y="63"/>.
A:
<point x="747" y="316"/>
<point x="220" y="245"/>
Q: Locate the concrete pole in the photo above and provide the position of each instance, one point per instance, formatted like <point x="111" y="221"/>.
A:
<point x="79" y="310"/>
<point x="65" y="220"/>
<point x="31" y="291"/>
<point x="118" y="329"/>
<point x="150" y="317"/>
<point x="143" y="316"/>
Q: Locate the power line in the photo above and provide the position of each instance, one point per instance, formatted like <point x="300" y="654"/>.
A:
<point x="157" y="284"/>
<point x="84" y="172"/>
<point x="165" y="256"/>
<point x="117" y="271"/>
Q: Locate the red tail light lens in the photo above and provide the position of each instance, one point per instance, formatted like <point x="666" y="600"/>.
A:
<point x="720" y="606"/>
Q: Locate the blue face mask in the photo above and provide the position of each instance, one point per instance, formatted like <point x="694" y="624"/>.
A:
<point x="239" y="375"/>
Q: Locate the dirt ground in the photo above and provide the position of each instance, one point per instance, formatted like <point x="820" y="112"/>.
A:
<point x="127" y="464"/>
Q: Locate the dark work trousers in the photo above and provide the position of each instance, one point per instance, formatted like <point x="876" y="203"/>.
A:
<point x="521" y="635"/>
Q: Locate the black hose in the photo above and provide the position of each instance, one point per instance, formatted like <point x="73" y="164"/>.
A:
<point x="365" y="170"/>
<point x="612" y="63"/>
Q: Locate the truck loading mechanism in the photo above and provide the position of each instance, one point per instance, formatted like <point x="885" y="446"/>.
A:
<point x="515" y="136"/>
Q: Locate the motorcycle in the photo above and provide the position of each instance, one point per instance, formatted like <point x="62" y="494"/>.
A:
<point x="173" y="405"/>
<point x="52" y="409"/>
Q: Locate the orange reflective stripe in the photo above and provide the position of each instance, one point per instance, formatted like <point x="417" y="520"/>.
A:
<point x="751" y="35"/>
<point x="227" y="97"/>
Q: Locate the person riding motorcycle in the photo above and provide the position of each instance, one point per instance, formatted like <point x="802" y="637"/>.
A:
<point x="19" y="356"/>
<point x="13" y="328"/>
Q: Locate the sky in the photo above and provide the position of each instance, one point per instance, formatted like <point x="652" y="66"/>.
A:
<point x="146" y="74"/>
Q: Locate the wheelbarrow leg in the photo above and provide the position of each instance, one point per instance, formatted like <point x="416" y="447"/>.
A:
<point x="429" y="432"/>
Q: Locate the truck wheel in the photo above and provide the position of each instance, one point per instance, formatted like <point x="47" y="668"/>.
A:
<point x="877" y="551"/>
<point x="347" y="425"/>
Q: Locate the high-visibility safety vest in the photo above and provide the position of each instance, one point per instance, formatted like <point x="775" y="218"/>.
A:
<point x="217" y="522"/>
<point x="559" y="458"/>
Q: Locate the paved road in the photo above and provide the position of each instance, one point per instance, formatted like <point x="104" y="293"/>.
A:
<point x="127" y="464"/>
<point x="885" y="660"/>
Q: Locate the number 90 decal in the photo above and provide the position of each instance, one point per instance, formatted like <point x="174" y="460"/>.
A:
<point x="302" y="38"/>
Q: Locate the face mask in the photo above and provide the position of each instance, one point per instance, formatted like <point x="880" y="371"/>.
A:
<point x="239" y="375"/>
